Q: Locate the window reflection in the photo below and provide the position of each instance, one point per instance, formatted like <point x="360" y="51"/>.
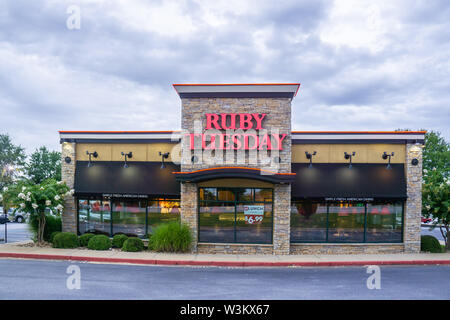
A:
<point x="134" y="217"/>
<point x="236" y="216"/>
<point x="346" y="221"/>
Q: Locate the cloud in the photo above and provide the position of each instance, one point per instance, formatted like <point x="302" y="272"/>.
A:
<point x="363" y="65"/>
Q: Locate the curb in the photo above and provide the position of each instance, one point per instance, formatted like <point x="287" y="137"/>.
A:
<point x="221" y="263"/>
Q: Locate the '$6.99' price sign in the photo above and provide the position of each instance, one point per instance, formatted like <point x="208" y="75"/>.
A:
<point x="253" y="214"/>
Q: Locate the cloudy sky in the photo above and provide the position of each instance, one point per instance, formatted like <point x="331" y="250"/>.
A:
<point x="362" y="65"/>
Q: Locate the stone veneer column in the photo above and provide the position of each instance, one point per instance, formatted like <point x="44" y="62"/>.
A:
<point x="69" y="215"/>
<point x="278" y="117"/>
<point x="189" y="210"/>
<point x="282" y="219"/>
<point x="413" y="206"/>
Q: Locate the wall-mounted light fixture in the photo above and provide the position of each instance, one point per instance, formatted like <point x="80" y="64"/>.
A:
<point x="163" y="156"/>
<point x="414" y="162"/>
<point x="388" y="156"/>
<point x="349" y="156"/>
<point x="67" y="159"/>
<point x="93" y="154"/>
<point x="127" y="155"/>
<point x="309" y="157"/>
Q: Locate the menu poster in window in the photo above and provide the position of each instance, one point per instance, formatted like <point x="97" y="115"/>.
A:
<point x="253" y="214"/>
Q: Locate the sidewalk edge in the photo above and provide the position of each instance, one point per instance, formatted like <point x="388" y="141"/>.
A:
<point x="220" y="263"/>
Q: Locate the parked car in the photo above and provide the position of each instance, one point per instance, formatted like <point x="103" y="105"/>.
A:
<point x="19" y="216"/>
<point x="3" y="219"/>
<point x="14" y="214"/>
<point x="426" y="220"/>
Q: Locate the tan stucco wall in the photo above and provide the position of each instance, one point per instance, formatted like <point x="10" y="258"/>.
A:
<point x="141" y="151"/>
<point x="334" y="153"/>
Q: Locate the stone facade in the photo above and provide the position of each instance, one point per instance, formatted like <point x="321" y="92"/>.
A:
<point x="69" y="215"/>
<point x="413" y="206"/>
<point x="346" y="248"/>
<point x="278" y="120"/>
<point x="234" y="248"/>
<point x="189" y="204"/>
<point x="282" y="219"/>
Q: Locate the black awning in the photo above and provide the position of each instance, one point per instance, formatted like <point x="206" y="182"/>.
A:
<point x="325" y="180"/>
<point x="141" y="178"/>
<point x="234" y="172"/>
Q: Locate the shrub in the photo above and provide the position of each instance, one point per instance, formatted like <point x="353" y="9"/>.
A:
<point x="430" y="244"/>
<point x="118" y="240"/>
<point x="65" y="240"/>
<point x="84" y="239"/>
<point x="133" y="245"/>
<point x="171" y="237"/>
<point x="52" y="224"/>
<point x="99" y="242"/>
<point x="52" y="236"/>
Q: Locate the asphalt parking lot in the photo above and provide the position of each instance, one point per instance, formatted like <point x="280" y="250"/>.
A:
<point x="16" y="232"/>
<point x="35" y="279"/>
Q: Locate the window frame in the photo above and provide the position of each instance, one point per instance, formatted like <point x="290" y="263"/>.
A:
<point x="235" y="202"/>
<point x="366" y="204"/>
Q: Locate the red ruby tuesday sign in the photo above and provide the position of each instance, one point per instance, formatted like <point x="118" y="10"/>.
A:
<point x="240" y="140"/>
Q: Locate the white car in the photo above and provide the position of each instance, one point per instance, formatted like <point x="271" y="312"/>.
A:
<point x="17" y="216"/>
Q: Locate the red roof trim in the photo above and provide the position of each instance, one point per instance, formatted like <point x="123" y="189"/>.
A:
<point x="364" y="132"/>
<point x="293" y="132"/>
<point x="169" y="131"/>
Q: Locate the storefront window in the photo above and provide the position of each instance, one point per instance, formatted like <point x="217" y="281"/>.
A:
<point x="254" y="223"/>
<point x="236" y="216"/>
<point x="384" y="222"/>
<point x="216" y="222"/>
<point x="162" y="211"/>
<point x="129" y="217"/>
<point x="94" y="216"/>
<point x="134" y="217"/>
<point x="309" y="221"/>
<point x="346" y="221"/>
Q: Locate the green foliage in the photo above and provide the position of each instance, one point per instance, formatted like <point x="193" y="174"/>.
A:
<point x="12" y="158"/>
<point x="43" y="165"/>
<point x="36" y="198"/>
<point x="84" y="239"/>
<point x="118" y="240"/>
<point x="65" y="240"/>
<point x="52" y="224"/>
<point x="436" y="182"/>
<point x="52" y="235"/>
<point x="99" y="242"/>
<point x="171" y="237"/>
<point x="436" y="154"/>
<point x="430" y="244"/>
<point x="133" y="245"/>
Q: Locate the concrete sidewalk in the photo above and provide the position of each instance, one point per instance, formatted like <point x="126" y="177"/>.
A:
<point x="230" y="260"/>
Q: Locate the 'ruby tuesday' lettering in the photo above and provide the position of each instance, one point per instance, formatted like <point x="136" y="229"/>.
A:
<point x="245" y="121"/>
<point x="236" y="141"/>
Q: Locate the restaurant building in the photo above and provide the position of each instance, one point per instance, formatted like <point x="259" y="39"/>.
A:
<point x="244" y="182"/>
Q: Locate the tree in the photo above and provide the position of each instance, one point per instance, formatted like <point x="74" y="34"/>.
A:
<point x="44" y="164"/>
<point x="436" y="154"/>
<point x="436" y="183"/>
<point x="35" y="198"/>
<point x="12" y="158"/>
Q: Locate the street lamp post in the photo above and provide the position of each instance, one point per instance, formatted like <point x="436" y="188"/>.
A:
<point x="7" y="171"/>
